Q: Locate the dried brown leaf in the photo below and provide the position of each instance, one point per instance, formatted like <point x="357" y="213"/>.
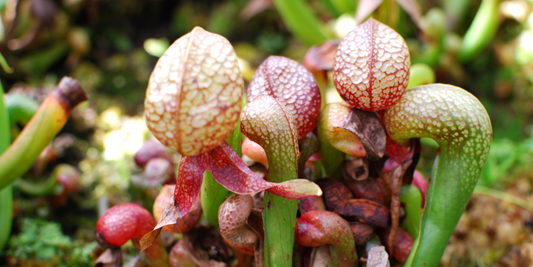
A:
<point x="369" y="128"/>
<point x="321" y="256"/>
<point x="355" y="169"/>
<point x="151" y="237"/>
<point x="361" y="232"/>
<point x="333" y="120"/>
<point x="364" y="210"/>
<point x="112" y="257"/>
<point x="375" y="189"/>
<point x="170" y="216"/>
<point x="396" y="179"/>
<point x="334" y="192"/>
<point x="396" y="189"/>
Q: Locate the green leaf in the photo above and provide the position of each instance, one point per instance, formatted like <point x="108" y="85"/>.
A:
<point x="459" y="123"/>
<point x="213" y="194"/>
<point x="266" y="122"/>
<point x="6" y="194"/>
<point x="412" y="198"/>
<point x="301" y="21"/>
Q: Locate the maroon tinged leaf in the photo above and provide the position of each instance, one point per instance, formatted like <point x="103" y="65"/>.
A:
<point x="230" y="171"/>
<point x="241" y="180"/>
<point x="371" y="69"/>
<point x="422" y="184"/>
<point x="308" y="146"/>
<point x="397" y="154"/>
<point x="361" y="232"/>
<point x="318" y="228"/>
<point x="375" y="189"/>
<point x="293" y="86"/>
<point x="190" y="177"/>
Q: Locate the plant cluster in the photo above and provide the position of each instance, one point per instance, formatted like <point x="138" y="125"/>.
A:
<point x="193" y="106"/>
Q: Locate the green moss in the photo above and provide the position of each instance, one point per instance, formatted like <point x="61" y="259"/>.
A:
<point x="42" y="241"/>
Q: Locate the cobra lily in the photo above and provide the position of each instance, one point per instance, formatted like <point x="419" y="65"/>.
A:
<point x="192" y="105"/>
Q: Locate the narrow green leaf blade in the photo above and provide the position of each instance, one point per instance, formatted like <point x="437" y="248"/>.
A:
<point x="301" y="21"/>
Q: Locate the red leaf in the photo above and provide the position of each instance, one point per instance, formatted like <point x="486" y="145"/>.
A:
<point x="230" y="171"/>
<point x="190" y="177"/>
<point x="397" y="154"/>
